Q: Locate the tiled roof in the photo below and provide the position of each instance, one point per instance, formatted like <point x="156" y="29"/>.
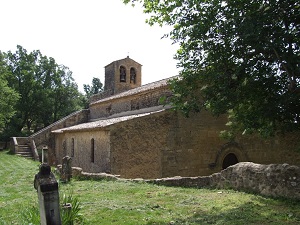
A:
<point x="122" y="60"/>
<point x="102" y="123"/>
<point x="146" y="87"/>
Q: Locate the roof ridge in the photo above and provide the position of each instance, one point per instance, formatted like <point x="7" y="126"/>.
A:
<point x="145" y="87"/>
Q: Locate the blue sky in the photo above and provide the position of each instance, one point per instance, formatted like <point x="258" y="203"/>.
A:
<point x="87" y="35"/>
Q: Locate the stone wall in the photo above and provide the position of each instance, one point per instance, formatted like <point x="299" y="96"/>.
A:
<point x="191" y="144"/>
<point x="276" y="180"/>
<point x="120" y="104"/>
<point x="79" y="146"/>
<point x="168" y="144"/>
<point x="4" y="145"/>
<point x="279" y="149"/>
<point x="137" y="146"/>
<point x="112" y="75"/>
<point x="43" y="137"/>
<point x="101" y="95"/>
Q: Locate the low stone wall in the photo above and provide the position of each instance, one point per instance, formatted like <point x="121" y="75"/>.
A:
<point x="4" y="145"/>
<point x="274" y="180"/>
<point x="78" y="173"/>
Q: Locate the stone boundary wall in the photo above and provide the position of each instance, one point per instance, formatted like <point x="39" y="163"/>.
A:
<point x="4" y="145"/>
<point x="274" y="180"/>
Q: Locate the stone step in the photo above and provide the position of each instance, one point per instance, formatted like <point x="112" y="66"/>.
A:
<point x="25" y="155"/>
<point x="25" y="151"/>
<point x="24" y="146"/>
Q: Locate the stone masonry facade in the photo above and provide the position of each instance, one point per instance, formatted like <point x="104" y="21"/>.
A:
<point x="127" y="131"/>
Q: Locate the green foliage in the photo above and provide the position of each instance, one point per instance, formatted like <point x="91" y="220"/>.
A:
<point x="31" y="215"/>
<point x="8" y="97"/>
<point x="239" y="57"/>
<point x="47" y="90"/>
<point x="70" y="217"/>
<point x="18" y="198"/>
<point x="93" y="89"/>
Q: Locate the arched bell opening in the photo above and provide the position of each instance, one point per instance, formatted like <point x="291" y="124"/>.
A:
<point x="122" y="74"/>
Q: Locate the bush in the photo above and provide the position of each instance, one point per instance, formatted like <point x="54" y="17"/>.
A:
<point x="69" y="215"/>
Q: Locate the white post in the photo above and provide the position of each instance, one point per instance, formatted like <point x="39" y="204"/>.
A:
<point x="47" y="188"/>
<point x="45" y="154"/>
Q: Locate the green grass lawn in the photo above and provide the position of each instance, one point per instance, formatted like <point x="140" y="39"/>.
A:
<point x="124" y="202"/>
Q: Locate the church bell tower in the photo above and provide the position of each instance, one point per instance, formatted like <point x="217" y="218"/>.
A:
<point x="122" y="75"/>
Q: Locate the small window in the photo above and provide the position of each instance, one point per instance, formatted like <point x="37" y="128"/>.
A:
<point x="72" y="148"/>
<point x="132" y="76"/>
<point x="92" y="150"/>
<point x="64" y="146"/>
<point x="122" y="74"/>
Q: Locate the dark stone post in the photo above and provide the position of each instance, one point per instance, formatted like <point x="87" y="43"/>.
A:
<point x="47" y="188"/>
<point x="66" y="169"/>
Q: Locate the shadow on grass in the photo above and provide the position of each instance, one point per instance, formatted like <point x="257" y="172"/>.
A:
<point x="258" y="212"/>
<point x="7" y="151"/>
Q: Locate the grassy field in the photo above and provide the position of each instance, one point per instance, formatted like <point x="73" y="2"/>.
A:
<point x="120" y="202"/>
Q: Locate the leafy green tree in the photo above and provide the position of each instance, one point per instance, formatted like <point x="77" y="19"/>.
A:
<point x="93" y="89"/>
<point x="22" y="81"/>
<point x="47" y="90"/>
<point x="239" y="57"/>
<point x="8" y="96"/>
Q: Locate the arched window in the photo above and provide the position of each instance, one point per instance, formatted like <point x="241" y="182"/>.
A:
<point x="64" y="145"/>
<point x="132" y="75"/>
<point x="92" y="150"/>
<point x="72" y="148"/>
<point x="229" y="160"/>
<point x="122" y="74"/>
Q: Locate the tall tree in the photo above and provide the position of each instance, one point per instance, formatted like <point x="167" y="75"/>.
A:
<point x="239" y="57"/>
<point x="47" y="90"/>
<point x="21" y="65"/>
<point x="8" y="97"/>
<point x="93" y="89"/>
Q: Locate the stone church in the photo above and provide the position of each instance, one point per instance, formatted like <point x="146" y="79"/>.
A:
<point x="127" y="131"/>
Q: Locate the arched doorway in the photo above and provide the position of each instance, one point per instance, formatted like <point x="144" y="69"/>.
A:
<point x="229" y="160"/>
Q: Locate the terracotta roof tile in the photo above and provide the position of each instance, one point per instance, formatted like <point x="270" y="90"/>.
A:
<point x="102" y="123"/>
<point x="146" y="87"/>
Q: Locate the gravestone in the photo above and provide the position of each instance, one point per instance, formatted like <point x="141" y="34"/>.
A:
<point x="47" y="188"/>
<point x="66" y="171"/>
